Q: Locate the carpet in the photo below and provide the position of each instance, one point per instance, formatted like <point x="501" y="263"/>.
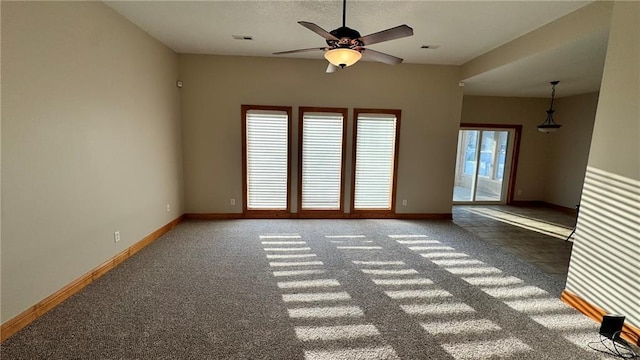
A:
<point x="315" y="290"/>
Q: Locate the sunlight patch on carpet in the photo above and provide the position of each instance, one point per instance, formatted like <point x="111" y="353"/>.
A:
<point x="417" y="294"/>
<point x="283" y="242"/>
<point x="326" y="312"/>
<point x="437" y="309"/>
<point x="459" y="327"/>
<point x="473" y="270"/>
<point x="515" y="292"/>
<point x="376" y="263"/>
<point x="359" y="247"/>
<point x="378" y="353"/>
<point x="297" y="272"/>
<point x="295" y="263"/>
<point x="417" y="242"/>
<point x="457" y="262"/>
<point x="439" y="255"/>
<point x="338" y="332"/>
<point x="389" y="272"/>
<point x="308" y="283"/>
<point x="288" y="249"/>
<point x="312" y="297"/>
<point x="487" y="349"/>
<point x="289" y="256"/>
<point x="493" y="280"/>
<point x="535" y="306"/>
<point x="280" y="236"/>
<point x="401" y="282"/>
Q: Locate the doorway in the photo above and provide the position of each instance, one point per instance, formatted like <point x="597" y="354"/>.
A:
<point x="484" y="165"/>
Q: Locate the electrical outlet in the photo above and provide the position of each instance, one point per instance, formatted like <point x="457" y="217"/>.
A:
<point x="404" y="202"/>
<point x="232" y="202"/>
<point x="168" y="207"/>
<point x="519" y="191"/>
<point x="116" y="236"/>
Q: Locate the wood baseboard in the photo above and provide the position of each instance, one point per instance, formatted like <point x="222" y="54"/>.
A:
<point x="564" y="209"/>
<point x="630" y="332"/>
<point x="310" y="215"/>
<point x="23" y="319"/>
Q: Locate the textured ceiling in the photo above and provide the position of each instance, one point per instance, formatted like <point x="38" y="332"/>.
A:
<point x="463" y="30"/>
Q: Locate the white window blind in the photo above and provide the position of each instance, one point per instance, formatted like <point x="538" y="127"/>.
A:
<point x="267" y="159"/>
<point x="375" y="154"/>
<point x="321" y="161"/>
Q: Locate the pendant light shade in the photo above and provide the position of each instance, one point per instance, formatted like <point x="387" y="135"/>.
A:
<point x="342" y="57"/>
<point x="549" y="125"/>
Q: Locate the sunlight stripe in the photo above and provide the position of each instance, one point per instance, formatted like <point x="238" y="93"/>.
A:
<point x="289" y="256"/>
<point x="389" y="272"/>
<point x="308" y="283"/>
<point x="329" y="333"/>
<point x="378" y="353"/>
<point x="280" y="236"/>
<point x="297" y="263"/>
<point x="297" y="272"/>
<point x="313" y="297"/>
<point x="288" y="249"/>
<point x="381" y="263"/>
<point x="283" y="242"/>
<point x="326" y="312"/>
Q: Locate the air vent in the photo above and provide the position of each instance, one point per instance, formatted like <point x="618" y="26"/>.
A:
<point x="430" y="46"/>
<point x="242" y="37"/>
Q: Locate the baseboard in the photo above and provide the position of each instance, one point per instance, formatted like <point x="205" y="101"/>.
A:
<point x="23" y="319"/>
<point x="213" y="216"/>
<point x="308" y="215"/>
<point x="630" y="332"/>
<point x="543" y="204"/>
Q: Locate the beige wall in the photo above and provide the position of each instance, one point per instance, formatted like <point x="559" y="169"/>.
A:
<point x="569" y="149"/>
<point x="551" y="167"/>
<point x="216" y="86"/>
<point x="604" y="263"/>
<point x="534" y="145"/>
<point x="90" y="143"/>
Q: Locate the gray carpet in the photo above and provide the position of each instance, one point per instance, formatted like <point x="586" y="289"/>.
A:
<point x="314" y="289"/>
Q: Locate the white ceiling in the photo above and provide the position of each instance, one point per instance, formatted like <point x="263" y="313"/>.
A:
<point x="462" y="29"/>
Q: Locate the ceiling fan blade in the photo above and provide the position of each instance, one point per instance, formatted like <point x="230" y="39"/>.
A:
<point x="299" y="51"/>
<point x="318" y="30"/>
<point x="368" y="54"/>
<point x="386" y="35"/>
<point x="331" y="68"/>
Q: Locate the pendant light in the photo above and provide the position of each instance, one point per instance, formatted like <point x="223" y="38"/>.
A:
<point x="549" y="125"/>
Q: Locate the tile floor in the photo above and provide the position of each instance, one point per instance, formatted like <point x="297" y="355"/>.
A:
<point x="535" y="234"/>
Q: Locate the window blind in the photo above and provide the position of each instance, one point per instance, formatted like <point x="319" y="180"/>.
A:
<point x="375" y="154"/>
<point x="321" y="161"/>
<point x="267" y="160"/>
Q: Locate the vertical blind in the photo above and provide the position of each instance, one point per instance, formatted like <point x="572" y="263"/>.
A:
<point x="321" y="161"/>
<point x="267" y="159"/>
<point x="375" y="154"/>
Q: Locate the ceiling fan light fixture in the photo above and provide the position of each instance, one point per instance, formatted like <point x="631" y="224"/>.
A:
<point x="342" y="57"/>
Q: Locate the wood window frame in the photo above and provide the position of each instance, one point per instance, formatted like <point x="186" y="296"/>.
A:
<point x="372" y="213"/>
<point x="310" y="213"/>
<point x="265" y="213"/>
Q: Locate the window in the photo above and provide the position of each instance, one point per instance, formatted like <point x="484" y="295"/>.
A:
<point x="321" y="159"/>
<point x="375" y="155"/>
<point x="266" y="157"/>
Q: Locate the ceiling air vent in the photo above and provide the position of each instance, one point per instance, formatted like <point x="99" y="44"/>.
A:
<point x="242" y="37"/>
<point x="430" y="46"/>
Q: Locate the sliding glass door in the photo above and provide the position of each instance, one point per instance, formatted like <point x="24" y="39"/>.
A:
<point x="483" y="165"/>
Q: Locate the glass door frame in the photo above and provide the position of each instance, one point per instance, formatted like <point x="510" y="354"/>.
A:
<point x="511" y="164"/>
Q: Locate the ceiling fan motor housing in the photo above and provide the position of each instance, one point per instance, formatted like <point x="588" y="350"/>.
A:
<point x="347" y="38"/>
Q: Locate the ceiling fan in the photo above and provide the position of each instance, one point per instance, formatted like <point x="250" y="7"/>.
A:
<point x="345" y="46"/>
